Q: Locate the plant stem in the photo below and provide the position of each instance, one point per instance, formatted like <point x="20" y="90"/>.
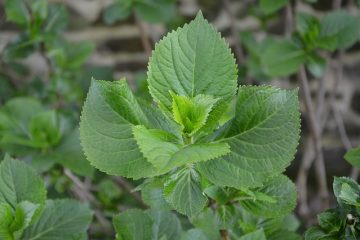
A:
<point x="316" y="135"/>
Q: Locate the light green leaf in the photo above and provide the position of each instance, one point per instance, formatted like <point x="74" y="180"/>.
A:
<point x="207" y="222"/>
<point x="6" y="213"/>
<point x="190" y="61"/>
<point x="155" y="10"/>
<point x="184" y="193"/>
<point x="192" y="113"/>
<point x="353" y="157"/>
<point x="271" y="6"/>
<point x="341" y="25"/>
<point x="257" y="235"/>
<point x="57" y="19"/>
<point x="282" y="58"/>
<point x="152" y="194"/>
<point x="39" y="8"/>
<point x="133" y="224"/>
<point x="157" y="146"/>
<point x="262" y="137"/>
<point x="16" y="12"/>
<point x="24" y="215"/>
<point x="316" y="65"/>
<point x="331" y="220"/>
<point x="106" y="135"/>
<point x="349" y="196"/>
<point x="60" y="220"/>
<point x="163" y="150"/>
<point x="279" y="188"/>
<point x="198" y="152"/>
<point x="19" y="182"/>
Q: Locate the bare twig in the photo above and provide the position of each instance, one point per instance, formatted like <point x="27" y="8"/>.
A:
<point x="85" y="195"/>
<point x="224" y="234"/>
<point x="316" y="134"/>
<point x="129" y="189"/>
<point x="143" y="35"/>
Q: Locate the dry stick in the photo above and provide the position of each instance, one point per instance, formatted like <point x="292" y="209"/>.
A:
<point x="143" y="36"/>
<point x="85" y="195"/>
<point x="129" y="189"/>
<point x="316" y="134"/>
<point x="234" y="33"/>
<point x="337" y="113"/>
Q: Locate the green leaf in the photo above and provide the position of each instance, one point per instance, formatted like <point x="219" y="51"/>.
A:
<point x="257" y="235"/>
<point x="137" y="224"/>
<point x="192" y="113"/>
<point x="341" y="25"/>
<point x="207" y="222"/>
<point x="152" y="194"/>
<point x="331" y="220"/>
<point x="21" y="47"/>
<point x="316" y="65"/>
<point x="155" y="10"/>
<point x="316" y="233"/>
<point x="69" y="154"/>
<point x="263" y="137"/>
<point x="184" y="193"/>
<point x="282" y="58"/>
<point x="194" y="234"/>
<point x="166" y="225"/>
<point x="190" y="61"/>
<point x="271" y="6"/>
<point x="19" y="182"/>
<point x="285" y="198"/>
<point x="346" y="190"/>
<point x="39" y="8"/>
<point x="60" y="219"/>
<point x="106" y="135"/>
<point x="57" y="19"/>
<point x="353" y="157"/>
<point x="118" y="11"/>
<point x="17" y="12"/>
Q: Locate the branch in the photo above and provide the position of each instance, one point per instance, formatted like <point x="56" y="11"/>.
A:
<point x="143" y="36"/>
<point x="85" y="195"/>
<point x="129" y="189"/>
<point x="316" y="135"/>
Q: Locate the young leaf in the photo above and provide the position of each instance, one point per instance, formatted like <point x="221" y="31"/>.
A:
<point x="184" y="193"/>
<point x="24" y="214"/>
<point x="165" y="152"/>
<point x="190" y="61"/>
<point x="353" y="157"/>
<point x="285" y="198"/>
<point x="192" y="113"/>
<point x="262" y="137"/>
<point x="60" y="220"/>
<point x="331" y="220"/>
<point x="6" y="213"/>
<point x="157" y="146"/>
<point x="341" y="25"/>
<point x="282" y="58"/>
<point x="106" y="135"/>
<point x="19" y="182"/>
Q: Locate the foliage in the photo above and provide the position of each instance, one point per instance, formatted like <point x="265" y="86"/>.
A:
<point x="182" y="148"/>
<point x="27" y="214"/>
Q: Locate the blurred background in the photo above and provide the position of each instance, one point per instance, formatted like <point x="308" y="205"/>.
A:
<point x="50" y="50"/>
